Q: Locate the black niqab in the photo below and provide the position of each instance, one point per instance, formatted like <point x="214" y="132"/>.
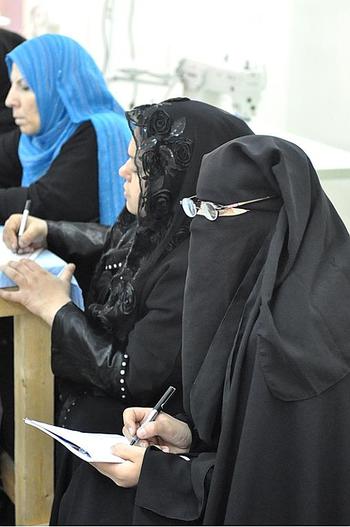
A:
<point x="279" y="405"/>
<point x="266" y="352"/>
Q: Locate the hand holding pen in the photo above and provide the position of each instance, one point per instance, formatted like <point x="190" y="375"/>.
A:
<point x="23" y="233"/>
<point x="167" y="432"/>
<point x="153" y="414"/>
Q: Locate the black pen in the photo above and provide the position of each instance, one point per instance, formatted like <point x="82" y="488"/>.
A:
<point x="155" y="411"/>
<point x="24" y="219"/>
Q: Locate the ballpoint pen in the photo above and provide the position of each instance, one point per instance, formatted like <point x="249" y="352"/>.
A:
<point x="24" y="219"/>
<point x="155" y="411"/>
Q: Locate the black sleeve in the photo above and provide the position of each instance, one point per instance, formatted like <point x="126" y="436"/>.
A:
<point x="80" y="243"/>
<point x="69" y="189"/>
<point x="10" y="166"/>
<point x="76" y="242"/>
<point x="83" y="354"/>
<point x="171" y="490"/>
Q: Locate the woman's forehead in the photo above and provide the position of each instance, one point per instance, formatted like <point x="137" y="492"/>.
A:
<point x="132" y="147"/>
<point x="16" y="73"/>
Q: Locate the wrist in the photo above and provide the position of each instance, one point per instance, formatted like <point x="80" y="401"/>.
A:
<point x="51" y="311"/>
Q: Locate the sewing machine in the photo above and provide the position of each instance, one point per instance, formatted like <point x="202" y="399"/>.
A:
<point x="239" y="91"/>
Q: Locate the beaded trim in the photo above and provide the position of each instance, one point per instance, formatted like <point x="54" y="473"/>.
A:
<point x="124" y="364"/>
<point x="109" y="267"/>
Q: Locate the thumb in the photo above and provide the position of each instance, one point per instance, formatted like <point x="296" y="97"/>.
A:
<point x="67" y="273"/>
<point x="122" y="450"/>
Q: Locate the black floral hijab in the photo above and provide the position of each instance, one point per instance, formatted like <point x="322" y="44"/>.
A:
<point x="163" y="152"/>
<point x="171" y="139"/>
<point x="280" y="287"/>
<point x="8" y="41"/>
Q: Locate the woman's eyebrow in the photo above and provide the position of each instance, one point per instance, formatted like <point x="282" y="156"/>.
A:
<point x="18" y="80"/>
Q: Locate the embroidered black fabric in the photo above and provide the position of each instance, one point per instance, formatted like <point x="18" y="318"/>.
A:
<point x="171" y="139"/>
<point x="163" y="151"/>
<point x="163" y="155"/>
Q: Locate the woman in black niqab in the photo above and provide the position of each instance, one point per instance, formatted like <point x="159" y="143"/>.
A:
<point x="266" y="361"/>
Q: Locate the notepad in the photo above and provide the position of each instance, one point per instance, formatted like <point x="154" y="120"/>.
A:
<point x="87" y="446"/>
<point x="6" y="254"/>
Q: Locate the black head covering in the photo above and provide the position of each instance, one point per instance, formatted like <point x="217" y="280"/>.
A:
<point x="8" y="41"/>
<point x="280" y="272"/>
<point x="171" y="138"/>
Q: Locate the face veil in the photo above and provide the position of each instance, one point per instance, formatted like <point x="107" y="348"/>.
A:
<point x="262" y="274"/>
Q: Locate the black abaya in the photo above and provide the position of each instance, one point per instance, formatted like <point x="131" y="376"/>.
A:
<point x="273" y="416"/>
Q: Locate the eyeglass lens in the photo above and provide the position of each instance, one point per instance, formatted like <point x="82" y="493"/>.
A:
<point x="189" y="207"/>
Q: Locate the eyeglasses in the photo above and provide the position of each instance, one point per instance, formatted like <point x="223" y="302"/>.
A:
<point x="193" y="206"/>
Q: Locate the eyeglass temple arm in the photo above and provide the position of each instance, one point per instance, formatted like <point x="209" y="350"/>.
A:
<point x="249" y="201"/>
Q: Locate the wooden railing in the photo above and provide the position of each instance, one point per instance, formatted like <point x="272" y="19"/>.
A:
<point x="29" y="480"/>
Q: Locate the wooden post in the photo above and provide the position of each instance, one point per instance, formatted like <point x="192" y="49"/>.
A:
<point x="34" y="398"/>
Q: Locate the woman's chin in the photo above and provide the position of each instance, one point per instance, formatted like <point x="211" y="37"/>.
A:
<point x="130" y="208"/>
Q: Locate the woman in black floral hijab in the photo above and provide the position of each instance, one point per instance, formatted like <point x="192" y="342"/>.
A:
<point x="125" y="349"/>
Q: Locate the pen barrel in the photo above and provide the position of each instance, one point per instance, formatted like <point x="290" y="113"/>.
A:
<point x="23" y="224"/>
<point x="150" y="417"/>
<point x="155" y="411"/>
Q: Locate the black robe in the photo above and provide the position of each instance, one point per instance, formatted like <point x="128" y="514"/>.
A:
<point x="88" y="364"/>
<point x="268" y="386"/>
<point x="69" y="189"/>
<point x="56" y="195"/>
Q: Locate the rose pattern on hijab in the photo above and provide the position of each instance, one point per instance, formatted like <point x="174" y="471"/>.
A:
<point x="162" y="152"/>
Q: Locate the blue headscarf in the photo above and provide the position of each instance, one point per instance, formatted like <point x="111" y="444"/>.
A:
<point x="70" y="89"/>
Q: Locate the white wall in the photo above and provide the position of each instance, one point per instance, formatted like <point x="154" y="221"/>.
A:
<point x="303" y="44"/>
<point x="318" y="83"/>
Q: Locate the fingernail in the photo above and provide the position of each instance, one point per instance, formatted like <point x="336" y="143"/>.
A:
<point x="141" y="432"/>
<point x="131" y="431"/>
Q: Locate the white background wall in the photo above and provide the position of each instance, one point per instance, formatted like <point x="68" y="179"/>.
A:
<point x="318" y="81"/>
<point x="304" y="45"/>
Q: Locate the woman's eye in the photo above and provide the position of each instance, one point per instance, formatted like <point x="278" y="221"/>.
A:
<point x="24" y="86"/>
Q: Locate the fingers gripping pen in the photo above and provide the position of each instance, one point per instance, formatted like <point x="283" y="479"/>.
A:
<point x="158" y="407"/>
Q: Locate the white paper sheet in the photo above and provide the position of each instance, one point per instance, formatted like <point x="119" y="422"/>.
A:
<point x="6" y="254"/>
<point x="87" y="446"/>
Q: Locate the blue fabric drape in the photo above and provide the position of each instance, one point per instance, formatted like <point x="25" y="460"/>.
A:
<point x="70" y="89"/>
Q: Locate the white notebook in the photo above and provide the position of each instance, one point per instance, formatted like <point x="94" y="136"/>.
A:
<point x="6" y="254"/>
<point x="87" y="446"/>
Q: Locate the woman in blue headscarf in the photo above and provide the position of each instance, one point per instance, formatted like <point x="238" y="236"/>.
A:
<point x="74" y="135"/>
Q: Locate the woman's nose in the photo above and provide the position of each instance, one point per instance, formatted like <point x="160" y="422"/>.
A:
<point x="125" y="171"/>
<point x="10" y="100"/>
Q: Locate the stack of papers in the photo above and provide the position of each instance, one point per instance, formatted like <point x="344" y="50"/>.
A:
<point x="87" y="446"/>
<point x="6" y="254"/>
<point x="46" y="259"/>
